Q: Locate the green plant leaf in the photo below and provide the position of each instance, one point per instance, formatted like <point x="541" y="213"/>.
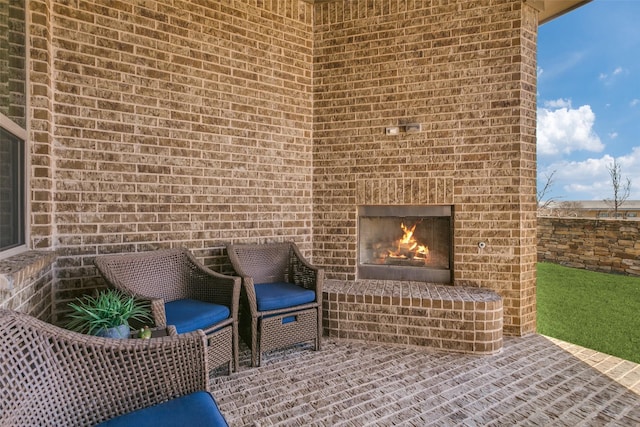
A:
<point x="108" y="309"/>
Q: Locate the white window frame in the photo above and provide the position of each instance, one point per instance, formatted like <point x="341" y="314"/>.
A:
<point x="21" y="133"/>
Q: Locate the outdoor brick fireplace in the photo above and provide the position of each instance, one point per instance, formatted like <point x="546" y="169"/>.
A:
<point x="404" y="290"/>
<point x="398" y="242"/>
<point x="465" y="72"/>
<point x="266" y="121"/>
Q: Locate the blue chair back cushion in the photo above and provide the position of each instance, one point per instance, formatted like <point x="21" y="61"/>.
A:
<point x="188" y="315"/>
<point x="195" y="409"/>
<point x="279" y="295"/>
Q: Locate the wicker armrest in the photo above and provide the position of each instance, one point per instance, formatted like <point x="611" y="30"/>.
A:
<point x="250" y="294"/>
<point x="157" y="312"/>
<point x="305" y="273"/>
<point x="209" y="285"/>
<point x="301" y="261"/>
<point x="73" y="379"/>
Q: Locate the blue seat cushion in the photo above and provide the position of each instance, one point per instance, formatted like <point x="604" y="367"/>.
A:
<point x="194" y="409"/>
<point x="278" y="295"/>
<point x="188" y="315"/>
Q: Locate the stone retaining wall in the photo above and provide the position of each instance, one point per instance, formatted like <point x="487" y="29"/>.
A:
<point x="606" y="245"/>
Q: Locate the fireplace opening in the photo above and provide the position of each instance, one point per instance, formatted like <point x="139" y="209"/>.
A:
<point x="405" y="243"/>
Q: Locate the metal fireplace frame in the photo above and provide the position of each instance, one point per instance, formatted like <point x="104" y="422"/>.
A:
<point x="403" y="273"/>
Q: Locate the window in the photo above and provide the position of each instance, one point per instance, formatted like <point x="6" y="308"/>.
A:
<point x="13" y="120"/>
<point x="11" y="191"/>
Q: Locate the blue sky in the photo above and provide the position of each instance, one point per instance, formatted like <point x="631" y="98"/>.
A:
<point x="589" y="99"/>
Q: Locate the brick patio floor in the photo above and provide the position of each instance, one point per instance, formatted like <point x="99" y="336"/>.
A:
<point x="533" y="381"/>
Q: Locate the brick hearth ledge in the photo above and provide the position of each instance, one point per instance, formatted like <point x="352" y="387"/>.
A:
<point x="443" y="317"/>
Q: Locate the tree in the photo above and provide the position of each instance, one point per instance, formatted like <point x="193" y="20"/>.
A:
<point x="621" y="188"/>
<point x="543" y="205"/>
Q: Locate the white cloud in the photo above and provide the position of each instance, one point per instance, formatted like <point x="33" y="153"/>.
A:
<point x="634" y="102"/>
<point x="558" y="103"/>
<point x="590" y="179"/>
<point x="608" y="79"/>
<point x="565" y="130"/>
<point x="613" y="135"/>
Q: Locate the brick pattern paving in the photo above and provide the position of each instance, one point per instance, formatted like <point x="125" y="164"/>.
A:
<point x="533" y="381"/>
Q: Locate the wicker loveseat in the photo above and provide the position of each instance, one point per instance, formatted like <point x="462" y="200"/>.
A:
<point x="281" y="298"/>
<point x="50" y="376"/>
<point x="183" y="293"/>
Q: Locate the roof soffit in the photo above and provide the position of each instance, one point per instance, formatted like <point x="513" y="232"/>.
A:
<point x="549" y="9"/>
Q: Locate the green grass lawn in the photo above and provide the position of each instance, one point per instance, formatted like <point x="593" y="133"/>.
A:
<point x="599" y="311"/>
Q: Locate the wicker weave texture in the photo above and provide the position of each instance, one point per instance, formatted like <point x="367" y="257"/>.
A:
<point x="50" y="376"/>
<point x="171" y="274"/>
<point x="275" y="262"/>
<point x="264" y="263"/>
<point x="275" y="333"/>
<point x="220" y="348"/>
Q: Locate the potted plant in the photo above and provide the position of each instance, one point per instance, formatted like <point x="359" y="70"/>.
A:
<point x="107" y="314"/>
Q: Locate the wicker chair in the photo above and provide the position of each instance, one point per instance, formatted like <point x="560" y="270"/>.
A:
<point x="281" y="298"/>
<point x="183" y="293"/>
<point x="50" y="376"/>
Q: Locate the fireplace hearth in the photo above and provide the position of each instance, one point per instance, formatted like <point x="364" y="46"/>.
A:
<point x="405" y="243"/>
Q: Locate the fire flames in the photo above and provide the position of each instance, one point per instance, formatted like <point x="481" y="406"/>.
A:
<point x="408" y="247"/>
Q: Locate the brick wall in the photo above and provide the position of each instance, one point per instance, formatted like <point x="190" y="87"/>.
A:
<point x="12" y="62"/>
<point x="166" y="124"/>
<point x="192" y="123"/>
<point x="611" y="246"/>
<point x="464" y="70"/>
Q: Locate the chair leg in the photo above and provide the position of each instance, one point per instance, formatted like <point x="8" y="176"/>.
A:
<point x="236" y="349"/>
<point x="255" y="351"/>
<point x="319" y="336"/>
